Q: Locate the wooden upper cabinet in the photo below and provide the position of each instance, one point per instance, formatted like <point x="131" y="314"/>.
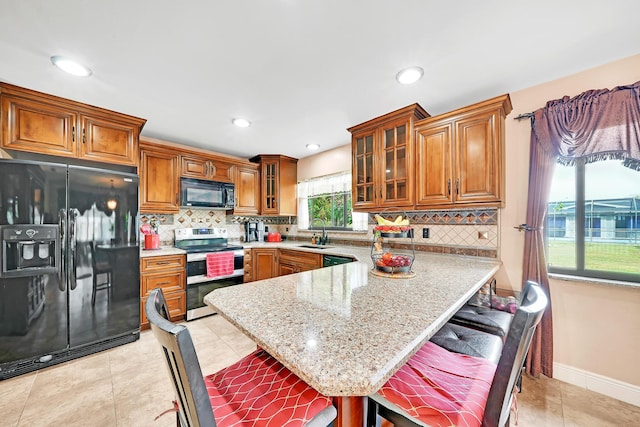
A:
<point x="41" y="123"/>
<point x="383" y="160"/>
<point x="278" y="184"/>
<point x="247" y="190"/>
<point x="192" y="166"/>
<point x="433" y="165"/>
<point x="460" y="156"/>
<point x="109" y="140"/>
<point x="159" y="179"/>
<point x="37" y="126"/>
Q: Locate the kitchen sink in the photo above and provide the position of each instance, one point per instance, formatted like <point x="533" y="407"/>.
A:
<point x="315" y="246"/>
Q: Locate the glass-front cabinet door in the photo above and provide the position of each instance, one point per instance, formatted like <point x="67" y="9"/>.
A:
<point x="396" y="166"/>
<point x="270" y="198"/>
<point x="364" y="170"/>
<point x="383" y="160"/>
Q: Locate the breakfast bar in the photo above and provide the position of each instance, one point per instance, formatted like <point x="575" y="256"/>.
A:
<point x="345" y="331"/>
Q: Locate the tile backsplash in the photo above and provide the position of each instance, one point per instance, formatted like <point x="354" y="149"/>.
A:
<point x="464" y="231"/>
<point x="189" y="218"/>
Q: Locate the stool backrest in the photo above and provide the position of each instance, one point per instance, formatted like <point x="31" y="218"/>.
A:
<point x="525" y="320"/>
<point x="194" y="407"/>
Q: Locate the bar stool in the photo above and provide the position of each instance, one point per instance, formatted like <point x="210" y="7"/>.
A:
<point x="441" y="388"/>
<point x="486" y="319"/>
<point x="255" y="391"/>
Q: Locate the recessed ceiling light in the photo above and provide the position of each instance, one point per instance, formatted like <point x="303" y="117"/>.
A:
<point x="241" y="123"/>
<point x="313" y="146"/>
<point x="71" y="66"/>
<point x="409" y="75"/>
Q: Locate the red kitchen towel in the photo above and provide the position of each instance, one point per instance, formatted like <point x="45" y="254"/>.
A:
<point x="219" y="264"/>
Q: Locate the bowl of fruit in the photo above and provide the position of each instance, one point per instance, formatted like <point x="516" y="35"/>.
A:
<point x="397" y="228"/>
<point x="390" y="263"/>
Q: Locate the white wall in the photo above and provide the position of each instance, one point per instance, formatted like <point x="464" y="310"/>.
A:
<point x="325" y="163"/>
<point x="596" y="326"/>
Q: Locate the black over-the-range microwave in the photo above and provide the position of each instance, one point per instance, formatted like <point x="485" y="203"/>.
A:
<point x="198" y="193"/>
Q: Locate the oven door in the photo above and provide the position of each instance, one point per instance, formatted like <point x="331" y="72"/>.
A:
<point x="197" y="267"/>
<point x="196" y="307"/>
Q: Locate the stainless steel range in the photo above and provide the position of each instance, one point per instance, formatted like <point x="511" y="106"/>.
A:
<point x="203" y="276"/>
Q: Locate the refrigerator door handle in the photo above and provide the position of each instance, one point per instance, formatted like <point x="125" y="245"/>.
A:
<point x="62" y="223"/>
<point x="72" y="243"/>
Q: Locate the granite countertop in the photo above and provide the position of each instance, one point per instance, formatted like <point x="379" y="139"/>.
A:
<point x="344" y="330"/>
<point x="164" y="250"/>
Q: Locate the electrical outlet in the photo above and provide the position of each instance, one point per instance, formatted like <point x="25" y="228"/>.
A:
<point x="425" y="233"/>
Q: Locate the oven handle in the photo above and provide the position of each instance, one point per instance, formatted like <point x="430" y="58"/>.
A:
<point x="194" y="280"/>
<point x="203" y="256"/>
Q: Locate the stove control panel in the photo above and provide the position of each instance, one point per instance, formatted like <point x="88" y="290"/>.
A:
<point x="200" y="233"/>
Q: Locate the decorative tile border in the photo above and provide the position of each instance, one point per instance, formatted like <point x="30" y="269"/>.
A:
<point x="453" y="217"/>
<point x="236" y="219"/>
<point x="163" y="219"/>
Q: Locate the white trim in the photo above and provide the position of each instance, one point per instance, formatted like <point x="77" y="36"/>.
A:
<point x="600" y="384"/>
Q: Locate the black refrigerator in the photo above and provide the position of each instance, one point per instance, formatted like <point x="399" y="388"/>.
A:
<point x="69" y="279"/>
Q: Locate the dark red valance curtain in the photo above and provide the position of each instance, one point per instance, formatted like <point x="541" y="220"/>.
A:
<point x="595" y="125"/>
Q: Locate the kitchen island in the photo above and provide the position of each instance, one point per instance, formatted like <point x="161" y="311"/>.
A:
<point x="344" y="330"/>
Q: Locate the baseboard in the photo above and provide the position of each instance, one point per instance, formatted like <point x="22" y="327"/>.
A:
<point x="600" y="384"/>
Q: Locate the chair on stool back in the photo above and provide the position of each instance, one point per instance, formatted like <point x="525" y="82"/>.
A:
<point x="486" y="319"/>
<point x="474" y="332"/>
<point x="99" y="267"/>
<point x="434" y="388"/>
<point x="255" y="391"/>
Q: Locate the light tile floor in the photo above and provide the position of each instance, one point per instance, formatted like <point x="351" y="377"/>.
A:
<point x="128" y="386"/>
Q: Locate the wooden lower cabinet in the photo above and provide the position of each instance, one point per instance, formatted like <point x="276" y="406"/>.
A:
<point x="293" y="261"/>
<point x="248" y="266"/>
<point x="265" y="263"/>
<point x="167" y="272"/>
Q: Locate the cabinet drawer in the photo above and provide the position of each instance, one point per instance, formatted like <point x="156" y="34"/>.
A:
<point x="168" y="281"/>
<point x="176" y="303"/>
<point x="166" y="262"/>
<point x="299" y="257"/>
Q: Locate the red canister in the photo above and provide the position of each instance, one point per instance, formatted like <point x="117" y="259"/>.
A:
<point x="152" y="241"/>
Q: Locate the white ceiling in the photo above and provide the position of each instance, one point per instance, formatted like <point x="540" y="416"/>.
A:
<point x="301" y="70"/>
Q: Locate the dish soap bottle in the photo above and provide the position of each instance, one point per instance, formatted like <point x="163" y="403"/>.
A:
<point x="314" y="239"/>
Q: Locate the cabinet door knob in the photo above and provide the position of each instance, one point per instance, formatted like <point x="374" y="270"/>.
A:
<point x="457" y="185"/>
<point x="73" y="134"/>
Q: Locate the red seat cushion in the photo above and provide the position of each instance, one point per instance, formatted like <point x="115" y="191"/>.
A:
<point x="441" y="388"/>
<point x="259" y="391"/>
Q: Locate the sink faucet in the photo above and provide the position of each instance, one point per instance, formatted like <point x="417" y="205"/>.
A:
<point x="323" y="239"/>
